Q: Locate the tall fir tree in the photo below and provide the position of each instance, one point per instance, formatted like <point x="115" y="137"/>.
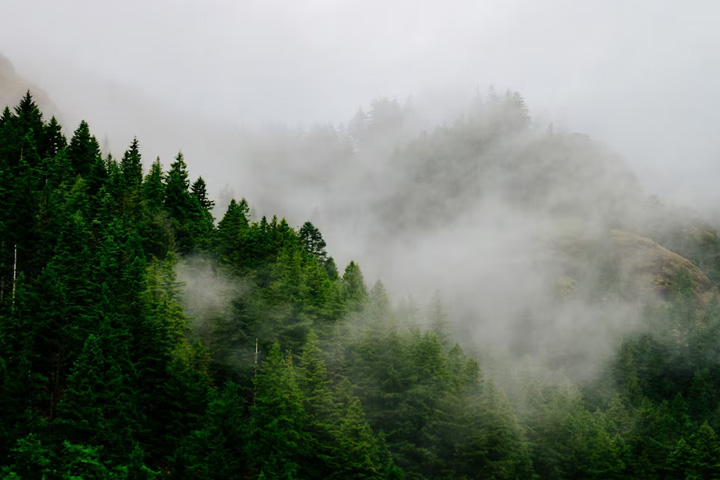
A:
<point x="131" y="165"/>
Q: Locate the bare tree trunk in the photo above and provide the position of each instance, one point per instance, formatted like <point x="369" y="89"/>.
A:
<point x="255" y="369"/>
<point x="14" y="275"/>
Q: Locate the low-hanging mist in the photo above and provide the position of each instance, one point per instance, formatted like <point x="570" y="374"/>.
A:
<point x="534" y="238"/>
<point x="551" y="295"/>
<point x="511" y="222"/>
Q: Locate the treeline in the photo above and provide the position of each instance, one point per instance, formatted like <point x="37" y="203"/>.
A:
<point x="308" y="373"/>
<point x="101" y="375"/>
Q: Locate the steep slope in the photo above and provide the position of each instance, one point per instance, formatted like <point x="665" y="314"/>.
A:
<point x="13" y="87"/>
<point x="626" y="266"/>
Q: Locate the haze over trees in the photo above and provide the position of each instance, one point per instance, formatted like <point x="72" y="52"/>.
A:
<point x="145" y="334"/>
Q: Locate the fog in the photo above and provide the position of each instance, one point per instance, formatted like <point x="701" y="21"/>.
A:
<point x="260" y="97"/>
<point x="638" y="75"/>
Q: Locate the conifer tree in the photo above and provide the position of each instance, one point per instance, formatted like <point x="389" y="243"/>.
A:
<point x="29" y="126"/>
<point x="131" y="165"/>
<point x="199" y="190"/>
<point x="99" y="407"/>
<point x="230" y="234"/>
<point x="177" y="194"/>
<point x="278" y="440"/>
<point x="84" y="152"/>
<point x="354" y="289"/>
<point x="155" y="226"/>
<point x="704" y="455"/>
<point x="218" y="450"/>
<point x="153" y="188"/>
<point x="181" y="205"/>
<point x="312" y="241"/>
<point x="357" y="453"/>
<point x="53" y="139"/>
<point x="314" y="382"/>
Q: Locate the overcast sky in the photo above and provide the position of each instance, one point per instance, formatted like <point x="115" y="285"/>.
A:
<point x="642" y="76"/>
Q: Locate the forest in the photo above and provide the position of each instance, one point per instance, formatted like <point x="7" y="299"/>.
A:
<point x="112" y="365"/>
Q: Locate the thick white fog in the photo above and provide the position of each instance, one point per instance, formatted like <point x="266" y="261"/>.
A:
<point x="641" y="75"/>
<point x="261" y="95"/>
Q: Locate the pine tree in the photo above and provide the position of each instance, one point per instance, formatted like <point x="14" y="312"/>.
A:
<point x="354" y="290"/>
<point x="153" y="188"/>
<point x="180" y="205"/>
<point x="199" y="190"/>
<point x="313" y="242"/>
<point x="84" y="152"/>
<point x="219" y="449"/>
<point x="53" y="139"/>
<point x="155" y="225"/>
<point x="704" y="455"/>
<point x="30" y="126"/>
<point x="99" y="406"/>
<point x="278" y="441"/>
<point x="177" y="194"/>
<point x="230" y="242"/>
<point x="357" y="453"/>
<point x="131" y="165"/>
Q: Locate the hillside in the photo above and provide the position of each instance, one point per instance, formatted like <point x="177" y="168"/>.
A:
<point x="141" y="337"/>
<point x="13" y="86"/>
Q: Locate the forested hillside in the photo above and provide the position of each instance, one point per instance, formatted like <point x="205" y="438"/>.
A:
<point x="270" y="361"/>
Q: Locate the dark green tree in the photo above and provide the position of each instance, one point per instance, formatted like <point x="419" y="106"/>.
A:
<point x="277" y="420"/>
<point x="99" y="407"/>
<point x="199" y="190"/>
<point x="84" y="152"/>
<point x="313" y="242"/>
<point x="354" y="289"/>
<point x="131" y="165"/>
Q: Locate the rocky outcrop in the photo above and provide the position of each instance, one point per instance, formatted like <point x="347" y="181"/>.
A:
<point x="14" y="86"/>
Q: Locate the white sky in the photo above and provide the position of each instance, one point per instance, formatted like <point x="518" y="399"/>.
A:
<point x="640" y="75"/>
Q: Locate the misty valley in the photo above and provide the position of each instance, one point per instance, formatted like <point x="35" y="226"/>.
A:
<point x="398" y="297"/>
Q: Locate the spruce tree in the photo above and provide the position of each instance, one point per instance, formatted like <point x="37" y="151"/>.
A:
<point x="199" y="190"/>
<point x="131" y="165"/>
<point x="277" y="420"/>
<point x="153" y="188"/>
<point x="53" y="140"/>
<point x="180" y="204"/>
<point x="84" y="152"/>
<point x="313" y="242"/>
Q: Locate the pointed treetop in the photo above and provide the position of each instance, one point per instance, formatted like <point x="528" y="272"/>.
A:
<point x="153" y="188"/>
<point x="313" y="242"/>
<point x="131" y="165"/>
<point x="53" y="138"/>
<point x="199" y="190"/>
<point x="27" y="106"/>
<point x="6" y="116"/>
<point x="84" y="150"/>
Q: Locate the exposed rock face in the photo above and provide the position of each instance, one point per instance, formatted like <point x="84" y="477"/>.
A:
<point x="6" y="66"/>
<point x="652" y="267"/>
<point x="624" y="265"/>
<point x="13" y="87"/>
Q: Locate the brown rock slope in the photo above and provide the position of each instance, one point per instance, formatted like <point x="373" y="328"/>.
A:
<point x="649" y="268"/>
<point x="625" y="266"/>
<point x="13" y="87"/>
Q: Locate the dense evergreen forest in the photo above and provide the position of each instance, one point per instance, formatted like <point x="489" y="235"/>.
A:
<point x="106" y="372"/>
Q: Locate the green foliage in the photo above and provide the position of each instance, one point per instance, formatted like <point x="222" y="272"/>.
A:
<point x="131" y="165"/>
<point x="219" y="449"/>
<point x="103" y="374"/>
<point x="84" y="152"/>
<point x="354" y="290"/>
<point x="199" y="191"/>
<point x="312" y="241"/>
<point x="277" y="438"/>
<point x="98" y="406"/>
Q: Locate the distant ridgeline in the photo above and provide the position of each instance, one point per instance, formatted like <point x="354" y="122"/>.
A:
<point x="304" y="373"/>
<point x="13" y="86"/>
